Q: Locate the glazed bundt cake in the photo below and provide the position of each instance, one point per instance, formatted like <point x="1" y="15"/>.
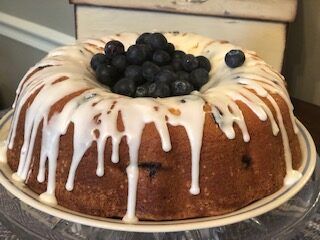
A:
<point x="129" y="152"/>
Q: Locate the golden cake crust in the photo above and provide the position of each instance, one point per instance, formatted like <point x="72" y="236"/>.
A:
<point x="232" y="173"/>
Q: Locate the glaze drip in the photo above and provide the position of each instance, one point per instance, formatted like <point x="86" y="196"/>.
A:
<point x="3" y="150"/>
<point x="95" y="107"/>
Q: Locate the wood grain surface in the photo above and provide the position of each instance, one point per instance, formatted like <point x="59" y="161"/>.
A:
<point x="274" y="10"/>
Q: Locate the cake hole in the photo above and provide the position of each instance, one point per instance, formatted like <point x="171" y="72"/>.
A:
<point x="88" y="50"/>
<point x="113" y="105"/>
<point x="163" y="65"/>
<point x="246" y="161"/>
<point x="90" y="45"/>
<point x="120" y="125"/>
<point x="183" y="101"/>
<point x="207" y="108"/>
<point x="97" y="119"/>
<point x="36" y="70"/>
<point x="95" y="103"/>
<point x="196" y="45"/>
<point x="275" y="82"/>
<point x="254" y="57"/>
<point x="60" y="79"/>
<point x="219" y="111"/>
<point x="156" y="108"/>
<point x="151" y="167"/>
<point x="174" y="32"/>
<point x="96" y="133"/>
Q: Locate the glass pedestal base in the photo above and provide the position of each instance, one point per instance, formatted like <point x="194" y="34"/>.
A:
<point x="283" y="222"/>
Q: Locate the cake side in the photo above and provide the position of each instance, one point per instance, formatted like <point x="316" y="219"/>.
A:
<point x="232" y="173"/>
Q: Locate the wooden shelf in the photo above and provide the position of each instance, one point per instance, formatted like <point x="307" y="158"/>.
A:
<point x="258" y="25"/>
<point x="274" y="10"/>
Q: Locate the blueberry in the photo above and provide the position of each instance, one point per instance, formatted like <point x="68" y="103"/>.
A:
<point x="182" y="75"/>
<point x="167" y="67"/>
<point x="142" y="90"/>
<point x="125" y="86"/>
<point x="98" y="59"/>
<point x="119" y="62"/>
<point x="151" y="167"/>
<point x="177" y="64"/>
<point x="199" y="77"/>
<point x="204" y="63"/>
<point x="113" y="48"/>
<point x="170" y="48"/>
<point x="235" y="58"/>
<point x="159" y="90"/>
<point x="106" y="74"/>
<point x="149" y="70"/>
<point x="158" y="41"/>
<point x="143" y="38"/>
<point x="181" y="87"/>
<point x="178" y="54"/>
<point x="165" y="76"/>
<point x="136" y="55"/>
<point x="147" y="50"/>
<point x="189" y="62"/>
<point x="161" y="57"/>
<point x="134" y="72"/>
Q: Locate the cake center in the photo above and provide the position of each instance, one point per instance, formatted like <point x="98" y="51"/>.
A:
<point x="151" y="67"/>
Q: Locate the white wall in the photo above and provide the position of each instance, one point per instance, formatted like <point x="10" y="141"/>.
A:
<point x="15" y="59"/>
<point x="55" y="17"/>
<point x="55" y="14"/>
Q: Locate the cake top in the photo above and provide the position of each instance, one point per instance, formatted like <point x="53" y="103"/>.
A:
<point x="236" y="75"/>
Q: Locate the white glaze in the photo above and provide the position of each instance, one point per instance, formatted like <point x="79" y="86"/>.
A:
<point x="98" y="109"/>
<point x="3" y="151"/>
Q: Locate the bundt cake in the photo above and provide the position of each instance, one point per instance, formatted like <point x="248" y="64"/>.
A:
<point x="88" y="147"/>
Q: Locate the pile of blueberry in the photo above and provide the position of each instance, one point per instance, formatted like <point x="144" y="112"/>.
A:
<point x="150" y="68"/>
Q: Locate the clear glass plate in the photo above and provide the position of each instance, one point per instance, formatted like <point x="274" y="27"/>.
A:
<point x="280" y="223"/>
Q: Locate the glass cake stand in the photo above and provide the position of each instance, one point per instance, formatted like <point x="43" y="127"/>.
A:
<point x="283" y="222"/>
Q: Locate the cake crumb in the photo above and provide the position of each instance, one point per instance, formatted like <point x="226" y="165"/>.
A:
<point x="175" y="111"/>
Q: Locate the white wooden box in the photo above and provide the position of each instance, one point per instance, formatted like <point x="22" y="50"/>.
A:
<point x="259" y="25"/>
